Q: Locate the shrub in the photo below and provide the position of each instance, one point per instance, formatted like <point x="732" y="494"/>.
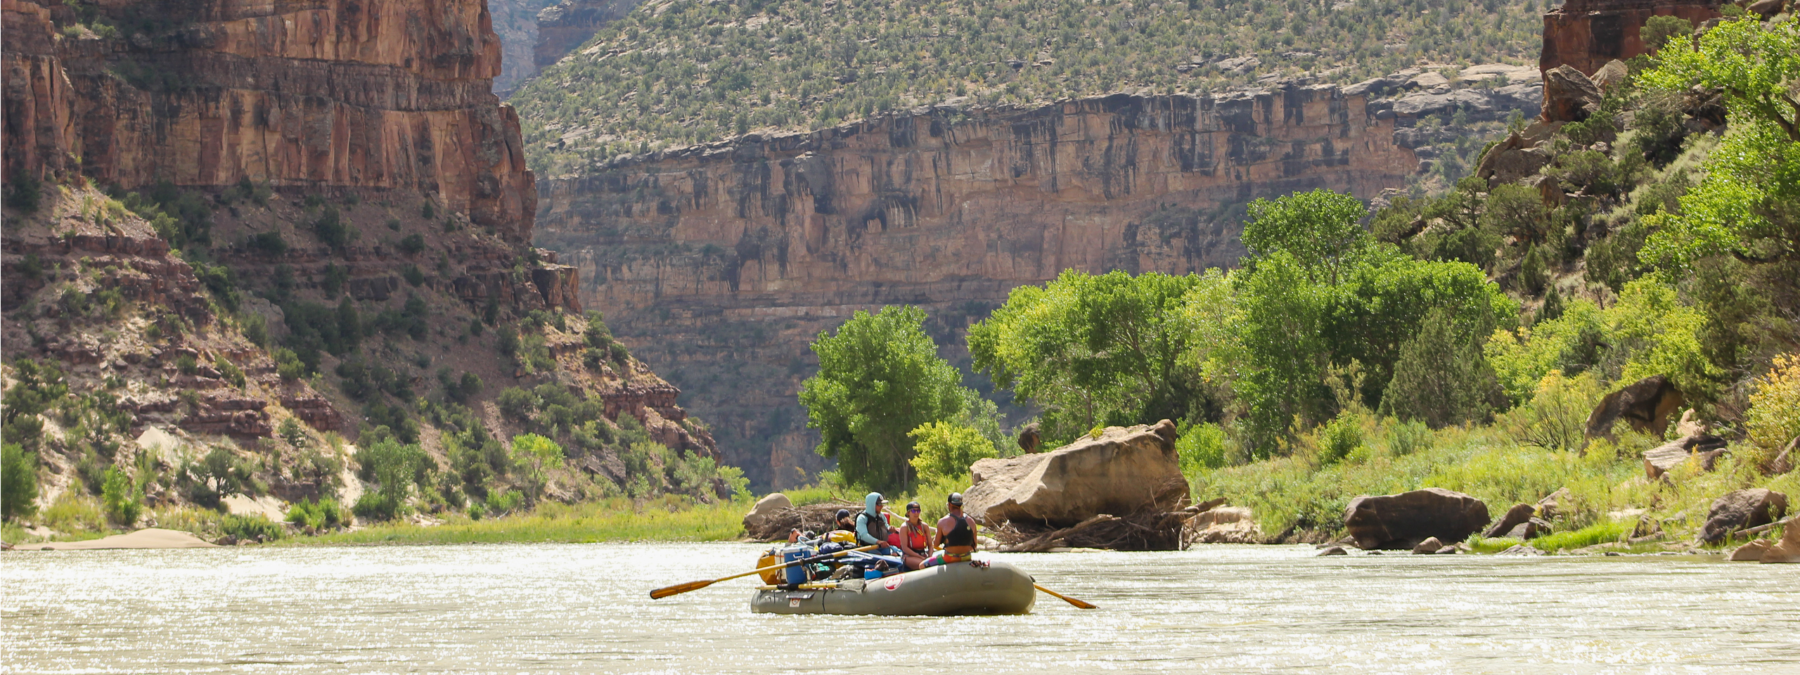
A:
<point x="502" y="503"/>
<point x="331" y="229"/>
<point x="1200" y="446"/>
<point x="1556" y="416"/>
<point x="412" y="275"/>
<point x="317" y="516"/>
<point x="186" y="364"/>
<point x="269" y="243"/>
<point x="945" y="451"/>
<point x="255" y="328"/>
<point x="230" y="372"/>
<point x="427" y="210"/>
<point x="413" y="244"/>
<point x="516" y="403"/>
<point x="1773" y="420"/>
<point x="287" y="364"/>
<point x="25" y="192"/>
<point x="250" y="528"/>
<point x="121" y="498"/>
<point x="18" y="481"/>
<point x="1340" y="437"/>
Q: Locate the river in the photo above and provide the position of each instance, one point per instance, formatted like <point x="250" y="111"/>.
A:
<point x="585" y="608"/>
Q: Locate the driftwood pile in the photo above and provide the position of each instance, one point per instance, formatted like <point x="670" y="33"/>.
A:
<point x="815" y="517"/>
<point x="1137" y="532"/>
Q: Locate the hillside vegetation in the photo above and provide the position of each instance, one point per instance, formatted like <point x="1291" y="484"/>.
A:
<point x="1459" y="341"/>
<point x="686" y="71"/>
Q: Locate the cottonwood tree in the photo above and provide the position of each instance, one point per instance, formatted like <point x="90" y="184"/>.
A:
<point x="879" y="378"/>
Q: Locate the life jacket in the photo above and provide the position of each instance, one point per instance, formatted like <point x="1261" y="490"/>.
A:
<point x="877" y="525"/>
<point x="962" y="534"/>
<point x="917" y="540"/>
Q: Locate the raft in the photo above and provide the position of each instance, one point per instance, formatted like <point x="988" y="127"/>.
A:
<point x="982" y="587"/>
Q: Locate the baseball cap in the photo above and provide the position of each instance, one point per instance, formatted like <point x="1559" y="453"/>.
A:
<point x="956" y="498"/>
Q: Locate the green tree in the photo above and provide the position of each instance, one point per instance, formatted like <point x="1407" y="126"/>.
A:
<point x="1442" y="377"/>
<point x="18" y="481"/>
<point x="946" y="451"/>
<point x="533" y="455"/>
<point x="1093" y="350"/>
<point x="1319" y="229"/>
<point x="121" y="498"/>
<point x="879" y="378"/>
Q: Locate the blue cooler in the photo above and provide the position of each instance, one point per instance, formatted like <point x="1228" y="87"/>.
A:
<point x="797" y="573"/>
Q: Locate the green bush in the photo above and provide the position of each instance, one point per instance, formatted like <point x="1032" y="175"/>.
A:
<point x="945" y="451"/>
<point x="24" y="192"/>
<point x="1200" y="446"/>
<point x="268" y="243"/>
<point x="331" y="229"/>
<point x="122" y="498"/>
<point x="230" y="372"/>
<point x="317" y="516"/>
<point x="412" y="244"/>
<point x="413" y="275"/>
<point x="18" y="481"/>
<point x="1339" y="438"/>
<point x="250" y="528"/>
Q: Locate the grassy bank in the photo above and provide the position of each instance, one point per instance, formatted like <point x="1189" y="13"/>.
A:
<point x="1308" y="490"/>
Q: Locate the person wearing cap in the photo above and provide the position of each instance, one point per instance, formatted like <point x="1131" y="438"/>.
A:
<point x="916" y="539"/>
<point x="956" y="533"/>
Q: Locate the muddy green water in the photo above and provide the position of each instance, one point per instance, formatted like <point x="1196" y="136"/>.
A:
<point x="585" y="608"/>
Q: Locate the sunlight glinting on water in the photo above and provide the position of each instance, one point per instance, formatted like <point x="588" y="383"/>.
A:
<point x="585" y="608"/>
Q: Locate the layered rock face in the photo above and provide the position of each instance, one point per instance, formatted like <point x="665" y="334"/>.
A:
<point x="330" y="93"/>
<point x="564" y="26"/>
<point x="1586" y="34"/>
<point x="720" y="263"/>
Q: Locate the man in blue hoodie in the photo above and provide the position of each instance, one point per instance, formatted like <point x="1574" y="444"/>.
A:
<point x="872" y="528"/>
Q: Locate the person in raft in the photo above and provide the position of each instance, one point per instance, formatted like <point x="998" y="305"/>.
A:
<point x="956" y="533"/>
<point x="872" y="525"/>
<point x="916" y="539"/>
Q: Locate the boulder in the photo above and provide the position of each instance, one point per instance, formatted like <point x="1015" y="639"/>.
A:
<point x="1223" y="525"/>
<point x="1767" y="9"/>
<point x="1645" y="404"/>
<point x="1521" y="549"/>
<point x="1611" y="75"/>
<point x="1662" y="459"/>
<point x="1786" y="549"/>
<point x="1335" y="550"/>
<point x="765" y="509"/>
<point x="1519" y="155"/>
<point x="1402" y="521"/>
<point x="1519" y="513"/>
<point x="1549" y="507"/>
<point x="1429" y="546"/>
<point x="1740" y="509"/>
<point x="1530" y="529"/>
<point x="1448" y="550"/>
<point x="1126" y="471"/>
<point x="1751" y="552"/>
<point x="1569" y="96"/>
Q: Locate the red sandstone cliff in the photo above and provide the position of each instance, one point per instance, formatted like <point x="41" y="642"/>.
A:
<point x="721" y="262"/>
<point x="370" y="117"/>
<point x="1586" y="34"/>
<point x="324" y="93"/>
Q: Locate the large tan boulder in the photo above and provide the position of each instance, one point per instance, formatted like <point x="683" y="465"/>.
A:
<point x="1401" y="521"/>
<point x="1740" y="509"/>
<point x="765" y="510"/>
<point x="1786" y="549"/>
<point x="1127" y="470"/>
<point x="1645" y="404"/>
<point x="1223" y="525"/>
<point x="1569" y="96"/>
<point x="1751" y="552"/>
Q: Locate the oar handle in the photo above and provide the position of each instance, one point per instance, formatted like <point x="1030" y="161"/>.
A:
<point x="677" y="589"/>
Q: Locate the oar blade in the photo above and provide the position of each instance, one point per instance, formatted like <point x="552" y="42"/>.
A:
<point x="1078" y="602"/>
<point x="678" y="589"/>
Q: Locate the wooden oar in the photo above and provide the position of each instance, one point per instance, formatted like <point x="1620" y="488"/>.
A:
<point x="678" y="589"/>
<point x="1078" y="602"/>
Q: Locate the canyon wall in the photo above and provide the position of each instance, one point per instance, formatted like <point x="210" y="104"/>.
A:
<point x="1586" y="34"/>
<point x="564" y="26"/>
<point x="387" y="94"/>
<point x="719" y="263"/>
<point x="274" y="123"/>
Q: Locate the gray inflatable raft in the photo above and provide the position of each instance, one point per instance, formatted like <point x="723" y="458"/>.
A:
<point x="985" y="587"/>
